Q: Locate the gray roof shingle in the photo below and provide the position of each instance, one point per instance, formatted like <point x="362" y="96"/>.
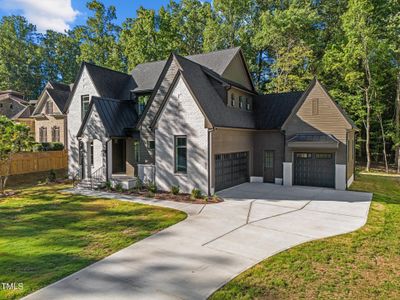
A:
<point x="60" y="97"/>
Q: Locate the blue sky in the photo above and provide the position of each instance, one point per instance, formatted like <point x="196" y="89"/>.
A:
<point x="64" y="14"/>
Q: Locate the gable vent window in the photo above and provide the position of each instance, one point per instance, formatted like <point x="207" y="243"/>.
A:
<point x="49" y="107"/>
<point x="233" y="100"/>
<point x="55" y="134"/>
<point x="84" y="105"/>
<point x="315" y="107"/>
<point x="241" y="101"/>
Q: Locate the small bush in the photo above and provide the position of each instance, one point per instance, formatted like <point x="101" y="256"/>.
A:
<point x="118" y="187"/>
<point x="215" y="198"/>
<point x="57" y="147"/>
<point x="52" y="176"/>
<point x="138" y="184"/>
<point x="152" y="187"/>
<point x="108" y="185"/>
<point x="37" y="147"/>
<point x="196" y="194"/>
<point x="175" y="189"/>
<point x="150" y="194"/>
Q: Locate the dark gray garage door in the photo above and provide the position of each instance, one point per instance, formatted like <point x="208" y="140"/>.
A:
<point x="231" y="169"/>
<point x="314" y="169"/>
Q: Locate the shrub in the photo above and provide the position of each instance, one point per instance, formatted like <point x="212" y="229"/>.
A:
<point x="118" y="187"/>
<point x="150" y="194"/>
<point x="215" y="198"/>
<point x="37" y="147"/>
<point x="138" y="184"/>
<point x="108" y="185"/>
<point x="175" y="189"/>
<point x="57" y="147"/>
<point x="152" y="187"/>
<point x="52" y="176"/>
<point x="196" y="194"/>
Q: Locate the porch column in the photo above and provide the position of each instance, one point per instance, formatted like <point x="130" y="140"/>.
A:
<point x="109" y="159"/>
<point x="88" y="159"/>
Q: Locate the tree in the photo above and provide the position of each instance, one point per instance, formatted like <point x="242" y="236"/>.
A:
<point x="98" y="39"/>
<point x="286" y="36"/>
<point x="14" y="138"/>
<point x="60" y="52"/>
<point x="20" y="63"/>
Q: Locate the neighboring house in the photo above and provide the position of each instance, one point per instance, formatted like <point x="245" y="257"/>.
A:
<point x="198" y="122"/>
<point x="50" y="114"/>
<point x="13" y="105"/>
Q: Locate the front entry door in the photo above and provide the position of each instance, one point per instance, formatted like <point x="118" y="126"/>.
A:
<point x="269" y="175"/>
<point x="118" y="156"/>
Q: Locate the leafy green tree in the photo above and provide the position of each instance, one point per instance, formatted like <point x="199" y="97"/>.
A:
<point x="20" y="61"/>
<point x="14" y="138"/>
<point x="60" y="52"/>
<point x="98" y="38"/>
<point x="286" y="35"/>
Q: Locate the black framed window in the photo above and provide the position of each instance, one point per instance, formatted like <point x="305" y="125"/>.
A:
<point x="180" y="154"/>
<point x="248" y="104"/>
<point x="241" y="101"/>
<point x="84" y="105"/>
<point x="152" y="145"/>
<point x="142" y="102"/>
<point x="91" y="153"/>
<point x="233" y="102"/>
<point x="323" y="155"/>
<point x="136" y="150"/>
<point x="303" y="155"/>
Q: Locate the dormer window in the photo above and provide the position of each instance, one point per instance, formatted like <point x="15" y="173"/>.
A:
<point x="248" y="105"/>
<point x="233" y="100"/>
<point x="241" y="101"/>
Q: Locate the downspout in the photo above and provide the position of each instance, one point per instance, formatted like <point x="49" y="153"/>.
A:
<point x="209" y="141"/>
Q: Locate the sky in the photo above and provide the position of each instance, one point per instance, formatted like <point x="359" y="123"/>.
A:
<point x="61" y="15"/>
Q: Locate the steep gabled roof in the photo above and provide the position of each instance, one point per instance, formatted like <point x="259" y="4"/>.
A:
<point x="119" y="117"/>
<point x="146" y="75"/>
<point x="209" y="101"/>
<point x="60" y="97"/>
<point x="272" y="110"/>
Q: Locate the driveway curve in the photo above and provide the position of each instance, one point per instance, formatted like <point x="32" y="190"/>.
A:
<point x="195" y="257"/>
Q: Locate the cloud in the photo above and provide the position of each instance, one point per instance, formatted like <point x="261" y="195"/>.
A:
<point x="45" y="14"/>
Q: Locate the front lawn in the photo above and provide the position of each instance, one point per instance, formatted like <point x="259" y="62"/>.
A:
<point x="46" y="234"/>
<point x="361" y="265"/>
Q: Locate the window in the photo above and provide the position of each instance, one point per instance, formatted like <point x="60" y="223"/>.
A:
<point x="49" y="107"/>
<point x="241" y="101"/>
<point x="11" y="106"/>
<point x="1" y="105"/>
<point x="84" y="105"/>
<point x="152" y="145"/>
<point x="248" y="105"/>
<point x="180" y="154"/>
<point x="303" y="155"/>
<point x="136" y="151"/>
<point x="233" y="100"/>
<point x="315" y="107"/>
<point x="55" y="134"/>
<point x="43" y="135"/>
<point x="268" y="159"/>
<point x="91" y="153"/>
<point x="323" y="155"/>
<point x="142" y="102"/>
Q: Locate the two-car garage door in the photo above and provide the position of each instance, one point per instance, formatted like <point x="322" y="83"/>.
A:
<point x="231" y="169"/>
<point x="314" y="169"/>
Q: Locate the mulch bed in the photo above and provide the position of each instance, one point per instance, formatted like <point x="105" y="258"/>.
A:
<point x="161" y="195"/>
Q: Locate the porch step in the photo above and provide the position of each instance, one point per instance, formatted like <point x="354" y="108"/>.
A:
<point x="87" y="184"/>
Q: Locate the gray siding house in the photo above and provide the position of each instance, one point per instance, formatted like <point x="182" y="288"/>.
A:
<point x="198" y="122"/>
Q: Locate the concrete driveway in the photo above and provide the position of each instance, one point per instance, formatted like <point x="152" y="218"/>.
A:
<point x="192" y="259"/>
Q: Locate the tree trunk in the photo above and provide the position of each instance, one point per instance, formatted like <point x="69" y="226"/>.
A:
<point x="383" y="143"/>
<point x="397" y="123"/>
<point x="367" y="131"/>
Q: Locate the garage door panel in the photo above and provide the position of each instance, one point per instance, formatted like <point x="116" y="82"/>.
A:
<point x="231" y="169"/>
<point x="314" y="169"/>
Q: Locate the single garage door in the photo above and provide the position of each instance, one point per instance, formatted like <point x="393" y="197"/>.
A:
<point x="314" y="169"/>
<point x="231" y="169"/>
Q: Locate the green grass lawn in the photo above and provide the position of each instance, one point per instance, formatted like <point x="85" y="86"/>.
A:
<point x="361" y="265"/>
<point x="46" y="234"/>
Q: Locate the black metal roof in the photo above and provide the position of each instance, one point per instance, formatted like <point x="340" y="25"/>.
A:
<point x="119" y="117"/>
<point x="272" y="110"/>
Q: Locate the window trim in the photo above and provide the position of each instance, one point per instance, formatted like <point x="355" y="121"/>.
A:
<point x="55" y="134"/>
<point x="176" y="147"/>
<point x="43" y="134"/>
<point x="88" y="103"/>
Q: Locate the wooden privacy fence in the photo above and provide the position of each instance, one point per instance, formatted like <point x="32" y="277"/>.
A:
<point x="32" y="162"/>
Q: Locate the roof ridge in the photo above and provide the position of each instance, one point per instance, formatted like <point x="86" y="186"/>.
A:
<point x="105" y="68"/>
<point x="215" y="51"/>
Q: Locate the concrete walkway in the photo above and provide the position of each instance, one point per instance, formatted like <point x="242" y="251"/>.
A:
<point x="195" y="257"/>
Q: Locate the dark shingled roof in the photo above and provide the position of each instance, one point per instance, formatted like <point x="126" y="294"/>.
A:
<point x="146" y="75"/>
<point x="119" y="117"/>
<point x="60" y="86"/>
<point x="109" y="83"/>
<point x="60" y="97"/>
<point x="272" y="110"/>
<point x="314" y="137"/>
<point x="209" y="100"/>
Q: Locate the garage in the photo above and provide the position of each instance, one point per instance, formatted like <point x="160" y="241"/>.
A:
<point x="231" y="169"/>
<point x="314" y="169"/>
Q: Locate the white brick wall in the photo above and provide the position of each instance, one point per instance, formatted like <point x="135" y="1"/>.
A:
<point x="181" y="116"/>
<point x="84" y="87"/>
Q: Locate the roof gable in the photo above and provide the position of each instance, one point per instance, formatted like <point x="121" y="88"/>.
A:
<point x="237" y="71"/>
